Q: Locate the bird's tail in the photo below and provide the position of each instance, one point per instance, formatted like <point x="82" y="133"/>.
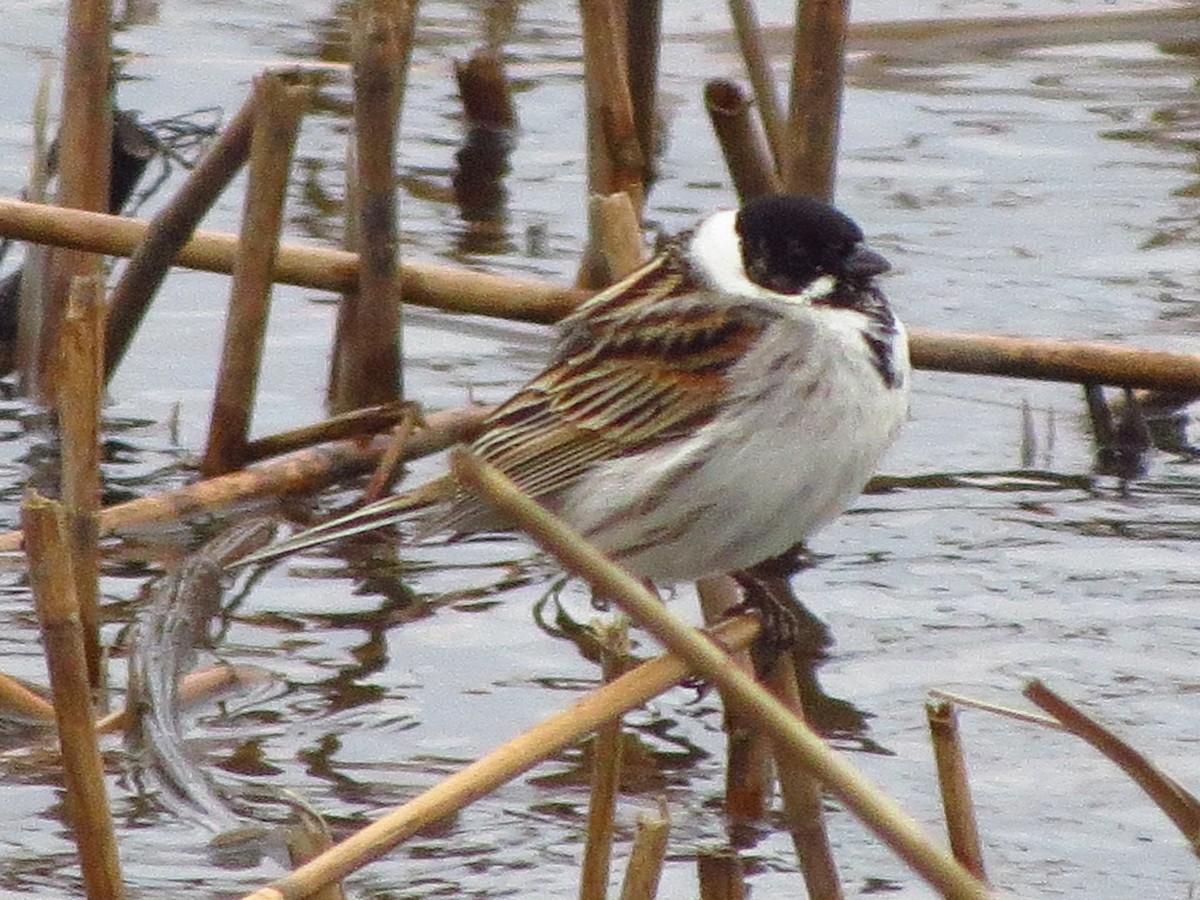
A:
<point x="388" y="511"/>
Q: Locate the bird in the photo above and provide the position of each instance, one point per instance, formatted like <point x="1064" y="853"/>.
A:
<point x="706" y="414"/>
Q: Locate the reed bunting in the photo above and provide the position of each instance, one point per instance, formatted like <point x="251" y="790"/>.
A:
<point x="704" y="415"/>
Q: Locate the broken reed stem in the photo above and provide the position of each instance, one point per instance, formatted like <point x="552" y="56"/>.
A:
<point x="80" y="395"/>
<point x="169" y="230"/>
<point x="301" y="472"/>
<point x="606" y="772"/>
<point x="957" y="805"/>
<point x="1180" y="806"/>
<point x="368" y="329"/>
<point x="766" y="95"/>
<point x="618" y="233"/>
<point x="877" y="811"/>
<point x="644" y="870"/>
<point x="643" y="33"/>
<point x="454" y="289"/>
<point x="1008" y="712"/>
<point x="802" y="804"/>
<point x="279" y="103"/>
<point x="721" y="874"/>
<point x="84" y="158"/>
<point x="749" y="774"/>
<point x="746" y="156"/>
<point x="815" y="108"/>
<point x="500" y="766"/>
<point x="615" y="159"/>
<point x="62" y="635"/>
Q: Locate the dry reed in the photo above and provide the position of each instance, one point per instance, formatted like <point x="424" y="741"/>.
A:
<point x="878" y="812"/>
<point x="503" y="764"/>
<point x="815" y="105"/>
<point x="81" y="370"/>
<point x="279" y="103"/>
<point x="62" y="636"/>
<point x="957" y="805"/>
<point x="644" y="870"/>
<point x="300" y="472"/>
<point x="758" y="68"/>
<point x="84" y="159"/>
<point x="606" y="771"/>
<point x="169" y="230"/>
<point x="721" y="874"/>
<point x="746" y="156"/>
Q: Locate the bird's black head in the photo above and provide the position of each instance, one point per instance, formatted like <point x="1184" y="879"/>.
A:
<point x="788" y="242"/>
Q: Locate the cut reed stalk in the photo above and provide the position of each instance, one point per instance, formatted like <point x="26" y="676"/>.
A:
<point x="615" y="159"/>
<point x="1180" y="806"/>
<point x="168" y="231"/>
<point x="301" y="472"/>
<point x="62" y="636"/>
<point x="749" y="775"/>
<point x="279" y="104"/>
<point x="368" y="356"/>
<point x="618" y="233"/>
<point x="721" y="874"/>
<point x="648" y="855"/>
<point x="758" y="68"/>
<point x="80" y="394"/>
<point x="957" y="805"/>
<point x="606" y="771"/>
<point x="877" y="811"/>
<point x="502" y="765"/>
<point x="802" y="805"/>
<point x="746" y="156"/>
<point x="454" y="289"/>
<point x="84" y="156"/>
<point x="815" y="107"/>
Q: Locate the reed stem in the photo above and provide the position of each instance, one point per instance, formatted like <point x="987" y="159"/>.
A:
<point x="368" y="370"/>
<point x="279" y="103"/>
<point x="814" y="116"/>
<point x="80" y="396"/>
<point x="606" y="772"/>
<point x="874" y="809"/>
<point x="746" y="156"/>
<point x="168" y="231"/>
<point x="62" y="635"/>
<point x="503" y="764"/>
<point x="758" y="68"/>
<point x="84" y="159"/>
<point x="957" y="804"/>
<point x="648" y="855"/>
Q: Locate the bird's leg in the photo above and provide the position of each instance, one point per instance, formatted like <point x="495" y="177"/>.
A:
<point x="787" y="625"/>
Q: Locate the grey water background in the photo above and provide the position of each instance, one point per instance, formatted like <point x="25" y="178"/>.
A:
<point x="1032" y="189"/>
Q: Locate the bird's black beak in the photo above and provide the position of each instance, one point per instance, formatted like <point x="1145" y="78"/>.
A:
<point x="865" y="263"/>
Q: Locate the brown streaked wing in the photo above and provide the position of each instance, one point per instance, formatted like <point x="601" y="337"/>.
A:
<point x="658" y="376"/>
